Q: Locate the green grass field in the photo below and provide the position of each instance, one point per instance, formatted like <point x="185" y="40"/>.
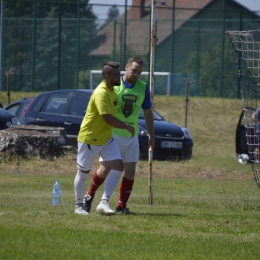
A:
<point x="206" y="208"/>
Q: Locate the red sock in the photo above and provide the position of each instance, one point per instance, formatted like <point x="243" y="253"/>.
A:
<point x="125" y="192"/>
<point x="96" y="182"/>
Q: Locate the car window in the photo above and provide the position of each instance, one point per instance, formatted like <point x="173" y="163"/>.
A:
<point x="20" y="112"/>
<point x="38" y="106"/>
<point x="13" y="109"/>
<point x="79" y="103"/>
<point x="156" y="116"/>
<point x="57" y="103"/>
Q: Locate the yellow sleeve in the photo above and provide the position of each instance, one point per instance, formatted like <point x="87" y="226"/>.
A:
<point x="102" y="102"/>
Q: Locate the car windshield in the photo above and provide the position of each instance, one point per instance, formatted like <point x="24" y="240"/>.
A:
<point x="156" y="115"/>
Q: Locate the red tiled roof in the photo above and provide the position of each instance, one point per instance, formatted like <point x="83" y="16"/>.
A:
<point x="138" y="30"/>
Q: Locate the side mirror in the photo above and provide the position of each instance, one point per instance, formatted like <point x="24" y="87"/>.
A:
<point x="243" y="158"/>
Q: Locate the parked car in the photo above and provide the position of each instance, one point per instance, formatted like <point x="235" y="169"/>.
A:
<point x="66" y="108"/>
<point x="17" y="107"/>
<point x="7" y="119"/>
<point x="59" y="108"/>
<point x="171" y="141"/>
<point x="243" y="150"/>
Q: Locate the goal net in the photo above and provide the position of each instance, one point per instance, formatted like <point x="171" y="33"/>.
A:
<point x="246" y="45"/>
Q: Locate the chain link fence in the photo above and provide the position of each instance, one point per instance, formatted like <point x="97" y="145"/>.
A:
<point x="55" y="44"/>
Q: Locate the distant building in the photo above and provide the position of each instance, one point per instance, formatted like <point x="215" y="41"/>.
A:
<point x="188" y="29"/>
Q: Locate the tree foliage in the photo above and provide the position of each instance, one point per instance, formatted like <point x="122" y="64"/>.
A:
<point x="24" y="8"/>
<point x="112" y="14"/>
<point x="48" y="42"/>
<point x="210" y="65"/>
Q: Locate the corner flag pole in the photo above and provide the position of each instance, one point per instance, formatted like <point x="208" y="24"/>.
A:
<point x="152" y="46"/>
<point x="153" y="41"/>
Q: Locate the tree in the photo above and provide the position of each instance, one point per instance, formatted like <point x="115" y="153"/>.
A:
<point x="210" y="68"/>
<point x="35" y="45"/>
<point x="24" y="8"/>
<point x="112" y="14"/>
<point x="61" y="54"/>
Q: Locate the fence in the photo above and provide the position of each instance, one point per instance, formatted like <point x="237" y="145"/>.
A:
<point x="167" y="83"/>
<point x="54" y="45"/>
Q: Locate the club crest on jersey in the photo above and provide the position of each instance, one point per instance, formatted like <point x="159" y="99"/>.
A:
<point x="128" y="105"/>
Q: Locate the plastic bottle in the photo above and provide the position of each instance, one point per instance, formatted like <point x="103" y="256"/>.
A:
<point x="56" y="194"/>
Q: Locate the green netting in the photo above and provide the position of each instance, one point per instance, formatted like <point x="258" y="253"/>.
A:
<point x="55" y="45"/>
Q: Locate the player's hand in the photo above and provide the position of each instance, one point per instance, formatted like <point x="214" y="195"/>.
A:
<point x="131" y="130"/>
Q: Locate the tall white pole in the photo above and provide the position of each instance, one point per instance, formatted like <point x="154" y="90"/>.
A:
<point x="152" y="47"/>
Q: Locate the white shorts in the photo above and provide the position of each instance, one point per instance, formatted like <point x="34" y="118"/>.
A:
<point x="87" y="154"/>
<point x="128" y="147"/>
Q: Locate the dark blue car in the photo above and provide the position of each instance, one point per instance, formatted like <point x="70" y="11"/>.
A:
<point x="7" y="119"/>
<point x="171" y="140"/>
<point x="66" y="108"/>
<point x="59" y="108"/>
<point x="17" y="107"/>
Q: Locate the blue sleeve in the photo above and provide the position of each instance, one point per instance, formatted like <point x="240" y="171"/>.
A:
<point x="147" y="100"/>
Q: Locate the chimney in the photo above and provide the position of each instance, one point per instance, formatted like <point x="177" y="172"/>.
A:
<point x="138" y="12"/>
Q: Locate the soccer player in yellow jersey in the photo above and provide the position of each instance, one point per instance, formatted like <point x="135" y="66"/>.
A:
<point x="132" y="95"/>
<point x="95" y="137"/>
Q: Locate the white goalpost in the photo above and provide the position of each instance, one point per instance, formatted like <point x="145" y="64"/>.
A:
<point x="168" y="76"/>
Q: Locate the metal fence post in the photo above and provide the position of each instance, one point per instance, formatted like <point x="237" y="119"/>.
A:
<point x="223" y="47"/>
<point x="2" y="45"/>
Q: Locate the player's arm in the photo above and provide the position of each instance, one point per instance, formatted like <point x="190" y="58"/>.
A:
<point x="253" y="117"/>
<point x="148" y="114"/>
<point x="114" y="122"/>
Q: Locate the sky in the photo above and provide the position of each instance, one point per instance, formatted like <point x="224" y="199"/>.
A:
<point x="253" y="5"/>
<point x="101" y="12"/>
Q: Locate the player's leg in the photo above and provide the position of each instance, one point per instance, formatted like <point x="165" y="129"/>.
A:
<point x="112" y="179"/>
<point x="114" y="175"/>
<point x="111" y="160"/>
<point x="126" y="187"/>
<point x="111" y="183"/>
<point x="256" y="151"/>
<point x="85" y="159"/>
<point x="130" y="159"/>
<point x="109" y="187"/>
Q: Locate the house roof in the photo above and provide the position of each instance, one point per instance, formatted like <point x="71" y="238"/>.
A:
<point x="138" y="32"/>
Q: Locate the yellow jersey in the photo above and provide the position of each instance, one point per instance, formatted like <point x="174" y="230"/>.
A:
<point x="93" y="129"/>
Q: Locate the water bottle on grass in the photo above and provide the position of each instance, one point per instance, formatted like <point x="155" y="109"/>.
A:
<point x="56" y="194"/>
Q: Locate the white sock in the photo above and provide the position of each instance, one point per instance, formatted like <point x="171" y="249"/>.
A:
<point x="111" y="183"/>
<point x="80" y="186"/>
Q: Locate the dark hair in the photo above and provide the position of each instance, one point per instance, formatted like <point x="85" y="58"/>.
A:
<point x="109" y="66"/>
<point x="135" y="59"/>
